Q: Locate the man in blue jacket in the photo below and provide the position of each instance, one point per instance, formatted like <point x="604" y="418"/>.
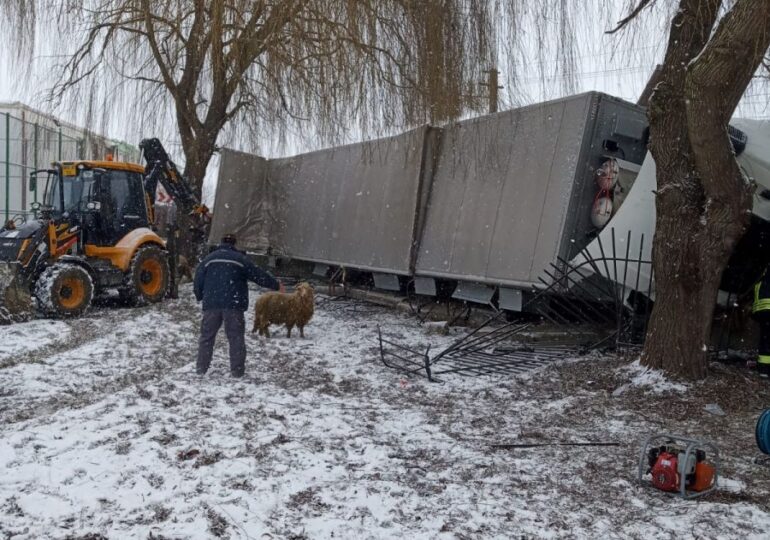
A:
<point x="221" y="283"/>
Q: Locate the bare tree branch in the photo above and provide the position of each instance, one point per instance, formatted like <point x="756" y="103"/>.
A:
<point x="631" y="16"/>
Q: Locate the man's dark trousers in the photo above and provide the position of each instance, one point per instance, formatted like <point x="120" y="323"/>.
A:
<point x="235" y="326"/>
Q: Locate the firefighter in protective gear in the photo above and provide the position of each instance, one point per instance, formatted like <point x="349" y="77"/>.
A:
<point x="761" y="313"/>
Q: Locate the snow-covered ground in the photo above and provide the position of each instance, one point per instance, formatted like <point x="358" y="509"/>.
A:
<point x="106" y="433"/>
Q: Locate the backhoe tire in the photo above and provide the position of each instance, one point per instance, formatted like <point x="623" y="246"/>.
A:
<point x="64" y="290"/>
<point x="147" y="278"/>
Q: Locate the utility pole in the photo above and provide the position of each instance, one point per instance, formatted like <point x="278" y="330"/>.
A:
<point x="492" y="89"/>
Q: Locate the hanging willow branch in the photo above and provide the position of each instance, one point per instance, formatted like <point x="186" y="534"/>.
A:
<point x="251" y="72"/>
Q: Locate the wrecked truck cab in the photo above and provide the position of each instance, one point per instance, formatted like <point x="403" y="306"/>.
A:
<point x="632" y="225"/>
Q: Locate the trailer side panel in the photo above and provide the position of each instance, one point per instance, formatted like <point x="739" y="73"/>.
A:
<point x="501" y="192"/>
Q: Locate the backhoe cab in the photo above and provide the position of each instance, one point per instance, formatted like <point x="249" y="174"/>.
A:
<point x="92" y="232"/>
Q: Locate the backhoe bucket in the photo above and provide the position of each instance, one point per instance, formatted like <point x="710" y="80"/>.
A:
<point x="15" y="298"/>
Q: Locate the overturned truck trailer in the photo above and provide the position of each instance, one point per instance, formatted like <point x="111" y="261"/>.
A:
<point x="485" y="205"/>
<point x="512" y="193"/>
<point x="358" y="206"/>
<point x="632" y="226"/>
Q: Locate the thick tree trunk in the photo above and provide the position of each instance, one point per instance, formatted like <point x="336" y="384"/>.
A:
<point x="691" y="249"/>
<point x="193" y="233"/>
<point x="703" y="202"/>
<point x="688" y="271"/>
<point x="692" y="242"/>
<point x="198" y="150"/>
<point x="679" y="323"/>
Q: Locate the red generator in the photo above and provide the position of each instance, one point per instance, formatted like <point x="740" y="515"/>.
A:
<point x="679" y="465"/>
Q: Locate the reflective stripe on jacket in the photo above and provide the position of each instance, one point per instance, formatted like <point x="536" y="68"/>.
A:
<point x="762" y="294"/>
<point x="221" y="279"/>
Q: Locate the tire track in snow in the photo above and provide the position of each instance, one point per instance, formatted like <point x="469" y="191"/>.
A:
<point x="76" y="338"/>
<point x="108" y="351"/>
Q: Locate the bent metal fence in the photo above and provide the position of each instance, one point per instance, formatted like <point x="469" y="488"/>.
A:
<point x="600" y="303"/>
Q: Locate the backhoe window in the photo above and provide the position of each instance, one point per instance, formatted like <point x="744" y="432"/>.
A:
<point x="125" y="196"/>
<point x="78" y="191"/>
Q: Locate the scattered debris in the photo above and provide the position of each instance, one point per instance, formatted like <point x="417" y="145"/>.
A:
<point x="440" y="328"/>
<point x="143" y="393"/>
<point x="714" y="408"/>
<point x="483" y="351"/>
<point x="156" y="536"/>
<point x="511" y="446"/>
<point x="161" y="513"/>
<point x="186" y="455"/>
<point x="593" y="315"/>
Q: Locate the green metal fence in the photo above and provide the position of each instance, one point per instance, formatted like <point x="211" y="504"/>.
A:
<point x="26" y="145"/>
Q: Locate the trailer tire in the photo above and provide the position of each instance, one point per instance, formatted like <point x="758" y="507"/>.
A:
<point x="64" y="290"/>
<point x="147" y="278"/>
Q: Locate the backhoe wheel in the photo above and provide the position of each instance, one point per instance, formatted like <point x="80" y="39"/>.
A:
<point x="64" y="290"/>
<point x="147" y="278"/>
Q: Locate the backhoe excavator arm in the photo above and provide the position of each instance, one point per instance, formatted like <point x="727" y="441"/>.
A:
<point x="160" y="168"/>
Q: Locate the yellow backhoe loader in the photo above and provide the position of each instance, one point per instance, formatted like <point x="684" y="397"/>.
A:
<point x="93" y="231"/>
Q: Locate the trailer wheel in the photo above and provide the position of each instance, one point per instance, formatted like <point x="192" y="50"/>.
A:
<point x="147" y="278"/>
<point x="64" y="290"/>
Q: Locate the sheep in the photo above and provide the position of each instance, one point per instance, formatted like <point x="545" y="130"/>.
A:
<point x="294" y="309"/>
